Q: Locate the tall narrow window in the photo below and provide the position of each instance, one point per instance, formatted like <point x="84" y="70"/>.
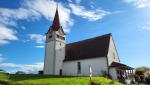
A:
<point x="79" y="67"/>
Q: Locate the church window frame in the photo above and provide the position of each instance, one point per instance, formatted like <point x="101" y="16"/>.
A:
<point x="50" y="36"/>
<point x="61" y="37"/>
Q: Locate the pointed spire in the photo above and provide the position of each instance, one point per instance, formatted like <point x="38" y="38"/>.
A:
<point x="56" y="22"/>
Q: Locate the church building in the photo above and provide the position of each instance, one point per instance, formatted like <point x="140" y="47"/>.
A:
<point x="74" y="59"/>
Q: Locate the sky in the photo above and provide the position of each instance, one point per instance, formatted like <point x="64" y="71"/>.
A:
<point x="23" y="24"/>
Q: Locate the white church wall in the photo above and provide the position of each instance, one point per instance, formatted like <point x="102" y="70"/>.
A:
<point x="113" y="73"/>
<point x="112" y="53"/>
<point x="60" y="55"/>
<point x="49" y="59"/>
<point x="98" y="65"/>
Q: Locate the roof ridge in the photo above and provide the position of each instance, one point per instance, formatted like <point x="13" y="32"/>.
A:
<point x="104" y="35"/>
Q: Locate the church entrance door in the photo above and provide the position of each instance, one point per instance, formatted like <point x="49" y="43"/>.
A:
<point x="60" y="72"/>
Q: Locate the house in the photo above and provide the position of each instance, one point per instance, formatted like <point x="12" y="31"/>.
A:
<point x="74" y="59"/>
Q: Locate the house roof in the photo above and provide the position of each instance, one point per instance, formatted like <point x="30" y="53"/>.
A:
<point x="120" y="66"/>
<point x="90" y="48"/>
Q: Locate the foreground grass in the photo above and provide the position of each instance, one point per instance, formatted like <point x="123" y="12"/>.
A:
<point x="13" y="79"/>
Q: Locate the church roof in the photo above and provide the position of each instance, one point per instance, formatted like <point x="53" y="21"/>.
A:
<point x="90" y="48"/>
<point x="120" y="65"/>
<point x="56" y="22"/>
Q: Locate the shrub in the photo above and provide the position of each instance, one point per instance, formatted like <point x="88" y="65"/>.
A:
<point x="106" y="75"/>
<point x="95" y="83"/>
<point x="140" y="72"/>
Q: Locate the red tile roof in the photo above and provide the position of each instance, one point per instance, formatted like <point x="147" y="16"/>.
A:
<point x="90" y="48"/>
<point x="56" y="22"/>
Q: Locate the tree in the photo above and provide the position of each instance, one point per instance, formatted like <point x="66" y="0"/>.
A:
<point x="2" y="71"/>
<point x="20" y="72"/>
<point x="142" y="70"/>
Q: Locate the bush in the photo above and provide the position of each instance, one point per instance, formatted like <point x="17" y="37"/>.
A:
<point x="94" y="83"/>
<point x="5" y="82"/>
<point x="111" y="82"/>
<point x="140" y="72"/>
<point x="106" y="75"/>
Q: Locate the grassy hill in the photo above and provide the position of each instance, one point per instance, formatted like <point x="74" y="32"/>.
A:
<point x="16" y="79"/>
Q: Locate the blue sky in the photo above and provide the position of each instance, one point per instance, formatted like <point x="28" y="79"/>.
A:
<point x="23" y="24"/>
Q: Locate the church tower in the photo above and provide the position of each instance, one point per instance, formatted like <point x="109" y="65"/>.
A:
<point x="55" y="48"/>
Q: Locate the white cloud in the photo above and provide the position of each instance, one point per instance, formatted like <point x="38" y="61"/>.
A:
<point x="28" y="68"/>
<point x="33" y="10"/>
<point x="39" y="46"/>
<point x="10" y="16"/>
<point x="91" y="15"/>
<point x="38" y="38"/>
<point x="146" y="26"/>
<point x="47" y="9"/>
<point x="7" y="34"/>
<point x="139" y="3"/>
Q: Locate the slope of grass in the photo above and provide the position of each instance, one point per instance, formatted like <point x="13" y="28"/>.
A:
<point x="13" y="79"/>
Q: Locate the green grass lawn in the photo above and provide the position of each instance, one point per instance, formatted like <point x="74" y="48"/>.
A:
<point x="16" y="79"/>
